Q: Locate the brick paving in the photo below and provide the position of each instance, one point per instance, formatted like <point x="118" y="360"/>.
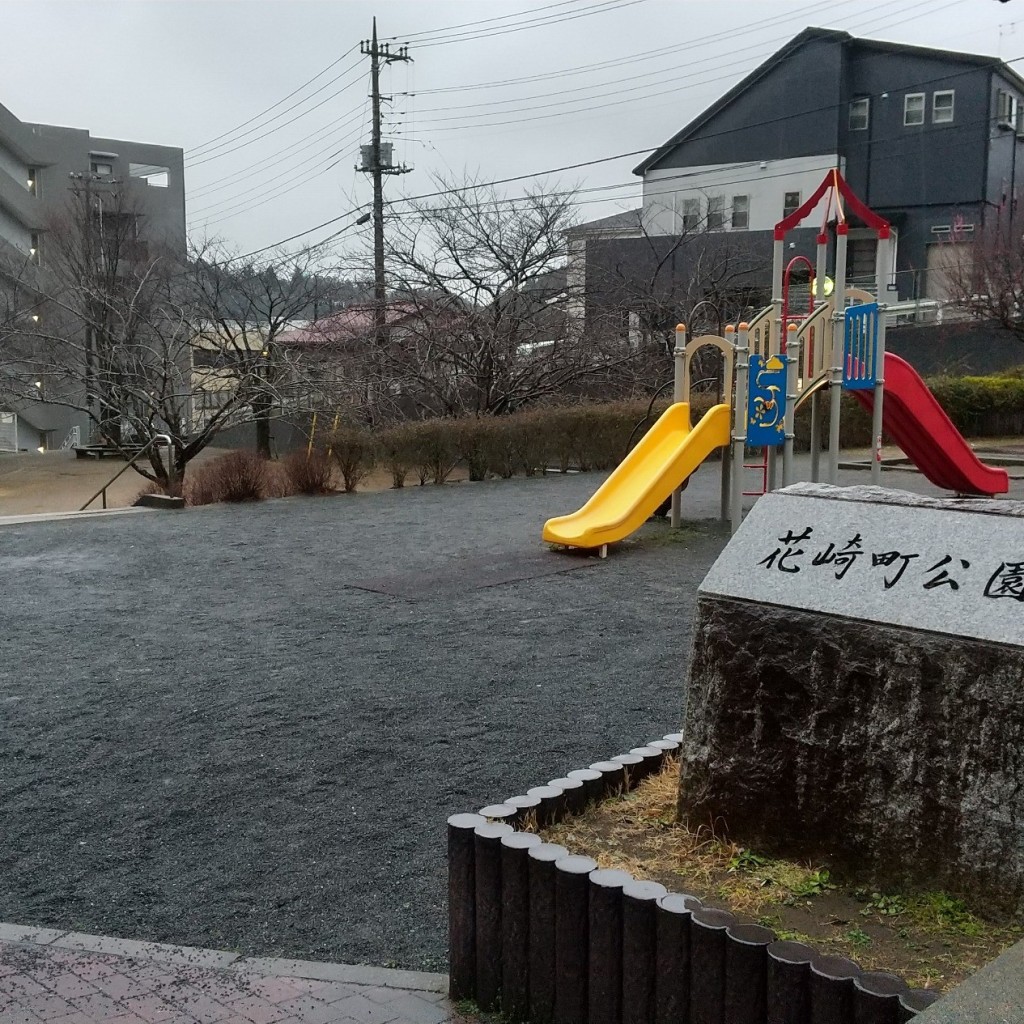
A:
<point x="69" y="978"/>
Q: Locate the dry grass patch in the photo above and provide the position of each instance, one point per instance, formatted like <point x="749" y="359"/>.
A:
<point x="929" y="938"/>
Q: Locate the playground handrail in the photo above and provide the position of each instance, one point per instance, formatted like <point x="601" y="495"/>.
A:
<point x="131" y="462"/>
<point x="812" y="333"/>
<point x="762" y="332"/>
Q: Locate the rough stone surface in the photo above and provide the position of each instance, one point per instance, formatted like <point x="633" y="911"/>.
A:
<point x="873" y="747"/>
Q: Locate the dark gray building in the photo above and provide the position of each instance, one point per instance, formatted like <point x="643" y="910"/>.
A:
<point x="39" y="165"/>
<point x="930" y="139"/>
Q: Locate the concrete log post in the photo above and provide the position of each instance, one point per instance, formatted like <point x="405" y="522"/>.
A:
<point x="831" y="989"/>
<point x="572" y="913"/>
<point x="593" y="786"/>
<point x="639" y="950"/>
<point x="788" y="983"/>
<point x="515" y="924"/>
<point x="542" y="930"/>
<point x="707" y="965"/>
<point x="487" y="869"/>
<point x="604" y="968"/>
<point x="876" y="997"/>
<point x="672" y="977"/>
<point x="462" y="906"/>
<point x="746" y="973"/>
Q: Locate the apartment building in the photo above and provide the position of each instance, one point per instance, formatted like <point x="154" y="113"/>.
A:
<point x="40" y="164"/>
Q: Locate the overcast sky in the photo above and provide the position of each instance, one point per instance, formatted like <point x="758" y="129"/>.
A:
<point x="621" y="75"/>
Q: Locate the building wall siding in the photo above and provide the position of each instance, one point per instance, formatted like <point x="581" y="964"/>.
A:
<point x="892" y="164"/>
<point x="764" y="182"/>
<point x="791" y="111"/>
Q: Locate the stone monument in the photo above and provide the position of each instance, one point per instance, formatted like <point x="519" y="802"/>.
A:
<point x="856" y="691"/>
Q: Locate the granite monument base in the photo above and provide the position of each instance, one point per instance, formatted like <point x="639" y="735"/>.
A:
<point x="858" y="715"/>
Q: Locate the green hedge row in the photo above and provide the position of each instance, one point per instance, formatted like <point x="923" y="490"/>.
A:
<point x="597" y="436"/>
<point x="978" y="407"/>
<point x="580" y="437"/>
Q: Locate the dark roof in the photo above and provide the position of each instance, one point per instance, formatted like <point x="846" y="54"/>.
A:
<point x="815" y="34"/>
<point x="628" y="220"/>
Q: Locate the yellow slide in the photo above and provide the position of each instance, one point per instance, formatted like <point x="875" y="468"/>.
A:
<point x="666" y="455"/>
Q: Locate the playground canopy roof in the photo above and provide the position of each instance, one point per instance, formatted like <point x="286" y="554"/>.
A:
<point x="782" y="54"/>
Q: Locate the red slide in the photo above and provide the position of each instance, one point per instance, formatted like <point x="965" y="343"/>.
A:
<point x="913" y="418"/>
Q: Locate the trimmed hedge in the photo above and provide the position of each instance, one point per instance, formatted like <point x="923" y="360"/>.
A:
<point x="598" y="436"/>
<point x="579" y="437"/>
<point x="582" y="437"/>
<point x="978" y="406"/>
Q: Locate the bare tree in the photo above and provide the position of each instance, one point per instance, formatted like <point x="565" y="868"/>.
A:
<point x="484" y="283"/>
<point x="243" y="313"/>
<point x="643" y="286"/>
<point x="985" y="279"/>
<point x="120" y="320"/>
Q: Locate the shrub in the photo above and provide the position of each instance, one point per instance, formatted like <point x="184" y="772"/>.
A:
<point x="982" y="406"/>
<point x="499" y="446"/>
<point x="354" y="453"/>
<point x="236" y="476"/>
<point x="243" y="476"/>
<point x="278" y="484"/>
<point x="530" y="442"/>
<point x="308" y="472"/>
<point x="396" y="447"/>
<point x="435" y="448"/>
<point x="470" y="437"/>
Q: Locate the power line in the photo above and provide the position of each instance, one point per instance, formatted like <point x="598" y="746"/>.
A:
<point x="540" y="22"/>
<point x="225" y="212"/>
<point x="317" y="135"/>
<point x="648" y="91"/>
<point x="234" y="148"/>
<point x="620" y="156"/>
<point x="334" y="63"/>
<point x="659" y="73"/>
<point x="483" y="21"/>
<point x="266" y="184"/>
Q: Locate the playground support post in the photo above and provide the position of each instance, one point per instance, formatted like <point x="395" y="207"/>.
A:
<point x="792" y="370"/>
<point x="780" y="335"/>
<point x="835" y="392"/>
<point x="739" y="432"/>
<point x="678" y="395"/>
<point x="819" y="296"/>
<point x="726" y="483"/>
<point x="882" y="272"/>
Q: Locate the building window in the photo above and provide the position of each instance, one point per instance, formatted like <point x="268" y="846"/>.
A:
<point x="942" y="106"/>
<point x="102" y="169"/>
<point x="1006" y="108"/>
<point x="716" y="213"/>
<point x="741" y="211"/>
<point x="859" y="111"/>
<point x="151" y="174"/>
<point x="31" y="182"/>
<point x="791" y="203"/>
<point x="913" y="108"/>
<point x="691" y="214"/>
<point x="33" y="251"/>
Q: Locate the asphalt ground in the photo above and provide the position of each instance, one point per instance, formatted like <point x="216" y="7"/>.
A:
<point x="243" y="727"/>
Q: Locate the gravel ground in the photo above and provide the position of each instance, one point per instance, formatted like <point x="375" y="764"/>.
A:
<point x="210" y="737"/>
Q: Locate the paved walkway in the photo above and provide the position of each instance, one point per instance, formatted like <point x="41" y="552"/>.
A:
<point x="71" y="978"/>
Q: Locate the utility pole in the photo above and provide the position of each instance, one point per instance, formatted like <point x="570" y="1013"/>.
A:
<point x="376" y="161"/>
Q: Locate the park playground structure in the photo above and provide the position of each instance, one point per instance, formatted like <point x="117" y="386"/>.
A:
<point x="771" y="366"/>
